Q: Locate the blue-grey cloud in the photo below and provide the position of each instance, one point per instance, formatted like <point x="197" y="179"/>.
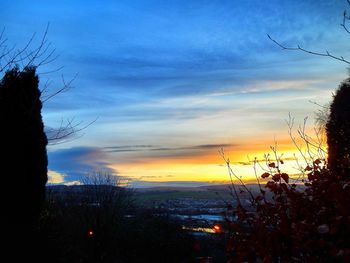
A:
<point x="75" y="163"/>
<point x="149" y="184"/>
<point x="159" y="152"/>
<point x="134" y="148"/>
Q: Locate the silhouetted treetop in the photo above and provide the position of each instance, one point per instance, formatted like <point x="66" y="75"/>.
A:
<point x="338" y="130"/>
<point x="23" y="159"/>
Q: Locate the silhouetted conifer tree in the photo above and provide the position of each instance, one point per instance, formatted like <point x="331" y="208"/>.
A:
<point x="23" y="164"/>
<point x="338" y="131"/>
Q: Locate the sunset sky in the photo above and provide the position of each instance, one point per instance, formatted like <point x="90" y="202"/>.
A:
<point x="171" y="82"/>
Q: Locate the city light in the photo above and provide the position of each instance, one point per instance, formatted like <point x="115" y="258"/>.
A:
<point x="217" y="228"/>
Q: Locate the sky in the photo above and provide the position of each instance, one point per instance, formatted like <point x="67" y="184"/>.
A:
<point x="166" y="84"/>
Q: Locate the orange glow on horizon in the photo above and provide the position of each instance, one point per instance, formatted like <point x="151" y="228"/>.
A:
<point x="208" y="166"/>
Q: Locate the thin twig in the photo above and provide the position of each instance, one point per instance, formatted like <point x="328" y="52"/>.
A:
<point x="299" y="48"/>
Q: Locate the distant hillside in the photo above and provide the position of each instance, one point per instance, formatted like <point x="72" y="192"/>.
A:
<point x="79" y="188"/>
<point x="85" y="193"/>
<point x="145" y="196"/>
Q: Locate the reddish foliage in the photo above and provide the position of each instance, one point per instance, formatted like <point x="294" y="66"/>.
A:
<point x="299" y="223"/>
<point x="272" y="165"/>
<point x="265" y="175"/>
<point x="285" y="177"/>
<point x="276" y="177"/>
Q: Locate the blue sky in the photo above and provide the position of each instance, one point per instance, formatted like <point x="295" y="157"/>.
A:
<point x="172" y="81"/>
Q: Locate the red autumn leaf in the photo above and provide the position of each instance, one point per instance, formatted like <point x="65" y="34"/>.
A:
<point x="285" y="177"/>
<point x="272" y="165"/>
<point x="265" y="175"/>
<point x="271" y="185"/>
<point x="308" y="168"/>
<point x="317" y="161"/>
<point x="276" y="177"/>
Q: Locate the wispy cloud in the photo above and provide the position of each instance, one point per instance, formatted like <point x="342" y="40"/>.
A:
<point x="134" y="148"/>
<point x="146" y="184"/>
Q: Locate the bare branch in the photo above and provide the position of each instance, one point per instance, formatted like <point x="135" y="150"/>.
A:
<point x="41" y="55"/>
<point x="298" y="48"/>
<point x="37" y="56"/>
<point x="67" y="131"/>
<point x="345" y="18"/>
<point x="233" y="174"/>
<point x="66" y="86"/>
<point x="13" y="57"/>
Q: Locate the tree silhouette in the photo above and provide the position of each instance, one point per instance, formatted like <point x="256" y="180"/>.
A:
<point x="338" y="131"/>
<point x="40" y="54"/>
<point x="23" y="158"/>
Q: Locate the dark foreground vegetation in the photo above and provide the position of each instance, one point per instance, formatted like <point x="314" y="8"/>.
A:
<point x="299" y="224"/>
<point x="99" y="224"/>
